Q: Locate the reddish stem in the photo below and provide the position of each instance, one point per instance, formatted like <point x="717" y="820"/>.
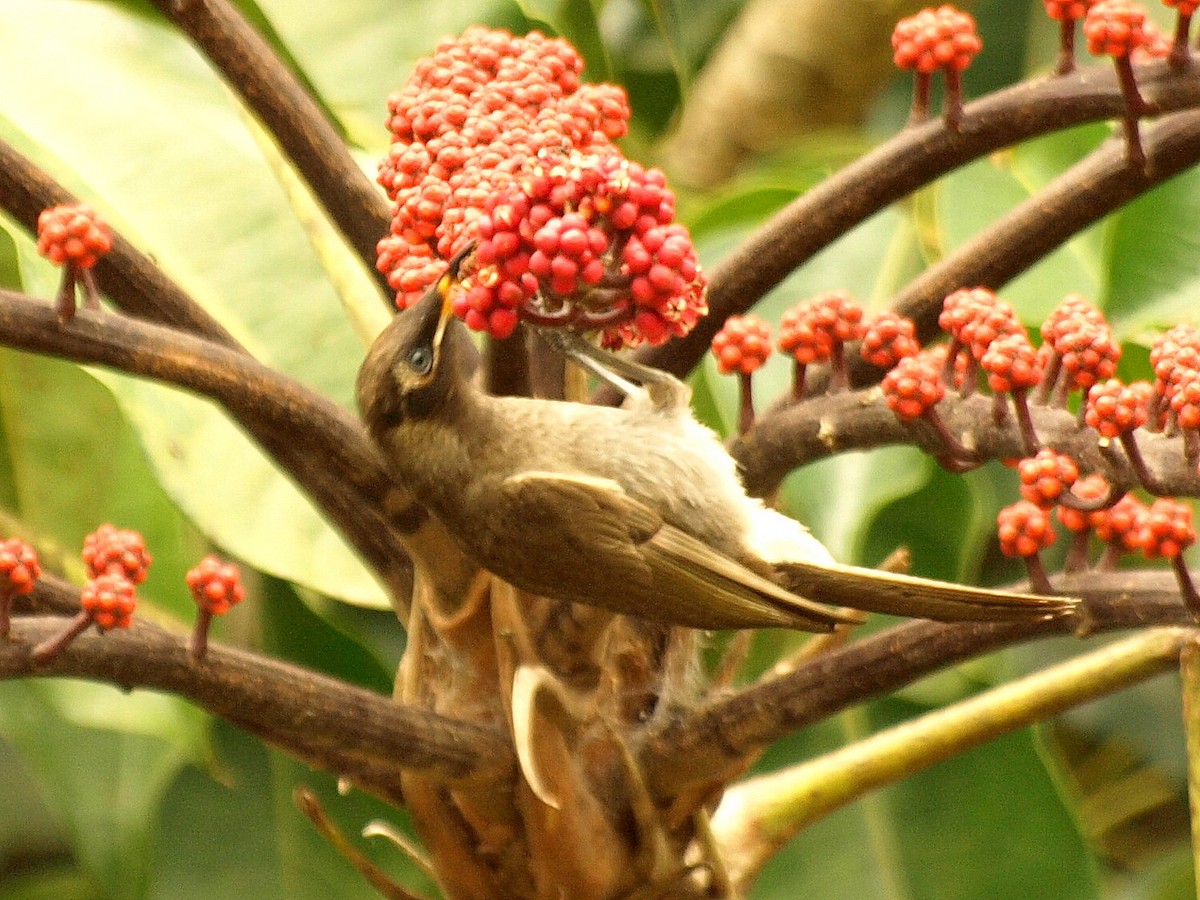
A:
<point x="50" y="648"/>
<point x="746" y="414"/>
<point x="1140" y="469"/>
<point x="1038" y="579"/>
<point x="6" y="600"/>
<point x="199" y="643"/>
<point x="1181" y="57"/>
<point x="920" y="105"/>
<point x="952" y="352"/>
<point x="91" y="293"/>
<point x="1020" y="397"/>
<point x="1066" y="47"/>
<point x="1135" y="107"/>
<point x="799" y="370"/>
<point x="837" y="361"/>
<point x="64" y="301"/>
<point x="1077" y="553"/>
<point x="1049" y="379"/>
<point x="958" y="458"/>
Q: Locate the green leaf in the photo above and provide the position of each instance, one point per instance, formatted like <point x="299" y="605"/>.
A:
<point x="839" y="497"/>
<point x="974" y="196"/>
<point x="238" y="249"/>
<point x="1151" y="258"/>
<point x="104" y="783"/>
<point x="985" y="825"/>
<point x="355" y="54"/>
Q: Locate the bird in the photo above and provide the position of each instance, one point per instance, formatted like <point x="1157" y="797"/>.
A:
<point x="638" y="509"/>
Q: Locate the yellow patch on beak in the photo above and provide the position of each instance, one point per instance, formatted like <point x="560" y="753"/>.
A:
<point x="445" y="285"/>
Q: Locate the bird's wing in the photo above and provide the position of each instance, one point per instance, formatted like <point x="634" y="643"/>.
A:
<point x="924" y="598"/>
<point x="593" y="543"/>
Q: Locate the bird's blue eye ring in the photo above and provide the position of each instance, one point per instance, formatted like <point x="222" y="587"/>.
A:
<point x="420" y="360"/>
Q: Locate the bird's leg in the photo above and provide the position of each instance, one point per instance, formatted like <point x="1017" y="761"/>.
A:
<point x="665" y="391"/>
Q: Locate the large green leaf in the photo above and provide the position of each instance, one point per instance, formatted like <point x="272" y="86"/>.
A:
<point x="357" y="52"/>
<point x="1151" y="258"/>
<point x="102" y="760"/>
<point x="137" y="86"/>
<point x="986" y="824"/>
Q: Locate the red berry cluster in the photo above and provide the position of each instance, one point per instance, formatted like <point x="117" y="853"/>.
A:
<point x="913" y="386"/>
<point x="1083" y="350"/>
<point x="742" y="345"/>
<point x="497" y="141"/>
<point x="72" y="234"/>
<point x="1011" y="363"/>
<point x="109" y="600"/>
<point x="1114" y="408"/>
<point x="216" y="585"/>
<point x="1185" y="7"/>
<point x="1115" y="28"/>
<point x="109" y="550"/>
<point x="1024" y="528"/>
<point x="942" y="38"/>
<point x="19" y="569"/>
<point x="888" y="338"/>
<point x="1046" y="476"/>
<point x="974" y="317"/>
<point x="814" y="330"/>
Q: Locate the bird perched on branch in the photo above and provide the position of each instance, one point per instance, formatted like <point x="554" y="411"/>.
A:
<point x="637" y="509"/>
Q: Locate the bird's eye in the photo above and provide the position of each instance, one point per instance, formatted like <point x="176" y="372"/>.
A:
<point x="420" y="360"/>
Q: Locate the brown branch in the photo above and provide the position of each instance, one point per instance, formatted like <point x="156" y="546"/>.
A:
<point x="715" y="739"/>
<point x="356" y="205"/>
<point x="327" y="723"/>
<point x="789" y="436"/>
<point x="320" y="436"/>
<point x="899" y="166"/>
<point x="128" y="277"/>
<point x="348" y="496"/>
<point x="1076" y="199"/>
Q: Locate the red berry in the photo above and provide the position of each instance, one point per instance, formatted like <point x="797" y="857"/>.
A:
<point x="742" y="345"/>
<point x="1067" y="10"/>
<point x="110" y="600"/>
<point x="1090" y="487"/>
<point x="942" y="38"/>
<point x="1024" y="528"/>
<point x="121" y="551"/>
<point x="1011" y="363"/>
<point x="1121" y="523"/>
<point x="1114" y="28"/>
<point x="1114" y="408"/>
<point x="913" y="386"/>
<point x="1166" y="529"/>
<point x="216" y="586"/>
<point x="888" y="338"/>
<point x="19" y="568"/>
<point x="1047" y="476"/>
<point x="72" y="234"/>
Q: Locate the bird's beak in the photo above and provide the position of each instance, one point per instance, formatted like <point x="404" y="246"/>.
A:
<point x="444" y="287"/>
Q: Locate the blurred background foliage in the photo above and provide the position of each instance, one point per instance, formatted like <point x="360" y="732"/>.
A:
<point x="745" y="105"/>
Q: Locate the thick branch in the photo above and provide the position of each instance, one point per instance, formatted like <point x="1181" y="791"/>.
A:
<point x="356" y="205"/>
<point x="913" y="158"/>
<point x="789" y="436"/>
<point x="128" y="277"/>
<point x="1076" y="199"/>
<point x="717" y="738"/>
<point x="320" y="436"/>
<point x="327" y="723"/>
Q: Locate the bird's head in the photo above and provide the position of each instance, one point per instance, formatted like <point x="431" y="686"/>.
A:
<point x="419" y="361"/>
